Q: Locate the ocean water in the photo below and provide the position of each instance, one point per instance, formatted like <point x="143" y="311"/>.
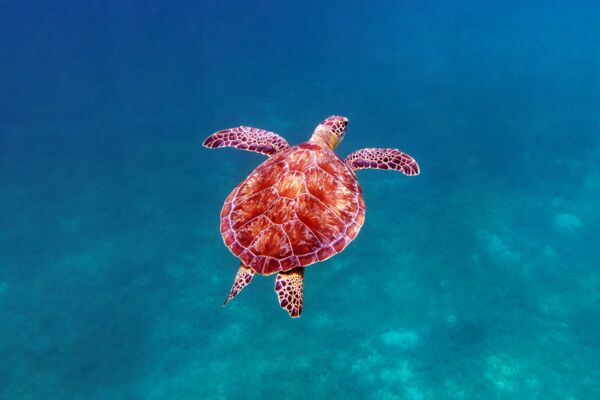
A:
<point x="478" y="279"/>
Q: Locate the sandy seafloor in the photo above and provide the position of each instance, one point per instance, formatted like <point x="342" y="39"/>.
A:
<point x="479" y="279"/>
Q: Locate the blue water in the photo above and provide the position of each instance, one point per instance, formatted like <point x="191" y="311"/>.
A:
<point x="477" y="279"/>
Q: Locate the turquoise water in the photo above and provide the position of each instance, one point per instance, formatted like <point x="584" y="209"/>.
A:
<point x="477" y="279"/>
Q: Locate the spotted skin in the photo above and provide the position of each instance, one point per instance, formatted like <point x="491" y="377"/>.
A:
<point x="383" y="159"/>
<point x="337" y="124"/>
<point x="299" y="207"/>
<point x="246" y="138"/>
<point x="330" y="132"/>
<point x="289" y="289"/>
<point x="242" y="279"/>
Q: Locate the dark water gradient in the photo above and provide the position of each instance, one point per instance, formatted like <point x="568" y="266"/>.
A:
<point x="477" y="279"/>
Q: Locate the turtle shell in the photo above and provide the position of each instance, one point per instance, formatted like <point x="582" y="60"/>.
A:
<point x="299" y="207"/>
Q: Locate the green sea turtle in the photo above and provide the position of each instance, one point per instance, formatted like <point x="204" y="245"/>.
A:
<point x="301" y="206"/>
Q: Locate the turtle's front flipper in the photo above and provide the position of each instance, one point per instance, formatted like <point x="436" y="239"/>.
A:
<point x="242" y="278"/>
<point x="383" y="159"/>
<point x="246" y="138"/>
<point x="288" y="286"/>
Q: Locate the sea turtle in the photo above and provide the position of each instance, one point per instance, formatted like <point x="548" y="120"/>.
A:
<point x="301" y="206"/>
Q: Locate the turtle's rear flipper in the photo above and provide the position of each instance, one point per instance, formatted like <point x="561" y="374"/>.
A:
<point x="288" y="286"/>
<point x="242" y="278"/>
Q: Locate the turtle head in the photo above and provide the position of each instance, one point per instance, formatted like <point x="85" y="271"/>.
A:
<point x="330" y="131"/>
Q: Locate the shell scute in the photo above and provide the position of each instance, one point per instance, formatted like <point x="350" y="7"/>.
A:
<point x="325" y="252"/>
<point x="300" y="160"/>
<point x="289" y="263"/>
<point x="272" y="242"/>
<point x="339" y="172"/>
<point x="291" y="185"/>
<point x="303" y="240"/>
<point x="248" y="232"/>
<point x="337" y="198"/>
<point x="339" y="244"/>
<point x="352" y="230"/>
<point x="251" y="208"/>
<point x="281" y="211"/>
<point x="318" y="218"/>
<point x="258" y="182"/>
<point x="308" y="259"/>
<point x="237" y="249"/>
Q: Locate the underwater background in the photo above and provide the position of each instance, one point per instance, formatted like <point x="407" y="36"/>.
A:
<point x="478" y="279"/>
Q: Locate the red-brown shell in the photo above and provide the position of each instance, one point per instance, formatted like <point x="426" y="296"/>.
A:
<point x="297" y="208"/>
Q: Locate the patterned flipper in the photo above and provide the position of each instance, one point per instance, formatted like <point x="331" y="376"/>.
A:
<point x="288" y="286"/>
<point x="383" y="159"/>
<point x="246" y="138"/>
<point x="242" y="279"/>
